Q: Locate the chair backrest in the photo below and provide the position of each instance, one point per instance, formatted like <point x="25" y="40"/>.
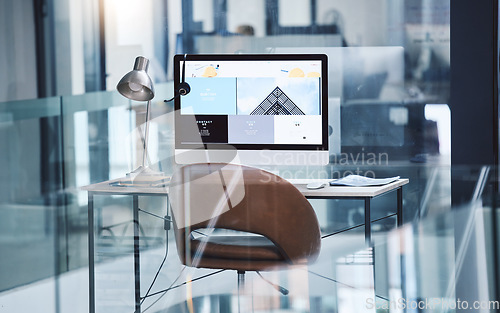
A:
<point x="242" y="198"/>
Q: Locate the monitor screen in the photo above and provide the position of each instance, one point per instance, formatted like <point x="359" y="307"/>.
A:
<point x="263" y="108"/>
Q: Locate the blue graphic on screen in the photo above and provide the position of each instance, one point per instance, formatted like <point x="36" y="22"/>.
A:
<point x="210" y="96"/>
<point x="304" y="92"/>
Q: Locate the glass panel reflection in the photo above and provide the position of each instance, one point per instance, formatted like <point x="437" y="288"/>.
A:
<point x="30" y="202"/>
<point x="389" y="95"/>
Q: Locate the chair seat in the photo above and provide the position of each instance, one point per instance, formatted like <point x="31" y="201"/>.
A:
<point x="237" y="247"/>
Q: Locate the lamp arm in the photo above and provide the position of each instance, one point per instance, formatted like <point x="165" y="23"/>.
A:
<point x="146" y="135"/>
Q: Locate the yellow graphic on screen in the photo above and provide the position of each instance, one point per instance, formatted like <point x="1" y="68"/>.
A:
<point x="296" y="72"/>
<point x="313" y="74"/>
<point x="209" y="72"/>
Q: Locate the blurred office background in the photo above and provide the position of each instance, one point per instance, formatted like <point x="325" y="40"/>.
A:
<point x="412" y="92"/>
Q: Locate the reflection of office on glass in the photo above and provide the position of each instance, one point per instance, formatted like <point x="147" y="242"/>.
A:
<point x="392" y="111"/>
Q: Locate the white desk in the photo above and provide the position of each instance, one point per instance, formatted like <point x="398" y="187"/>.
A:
<point x="361" y="193"/>
<point x="107" y="188"/>
<point x="328" y="192"/>
<point x="345" y="191"/>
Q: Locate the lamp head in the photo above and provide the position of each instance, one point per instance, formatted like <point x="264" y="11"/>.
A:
<point x="136" y="84"/>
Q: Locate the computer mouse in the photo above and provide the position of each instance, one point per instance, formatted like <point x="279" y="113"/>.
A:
<point x="316" y="185"/>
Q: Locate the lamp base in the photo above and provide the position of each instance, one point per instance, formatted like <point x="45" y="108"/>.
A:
<point x="145" y="177"/>
<point x="143" y="171"/>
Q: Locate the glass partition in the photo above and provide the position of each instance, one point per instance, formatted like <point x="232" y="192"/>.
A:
<point x="436" y="233"/>
<point x="440" y="264"/>
<point x="32" y="209"/>
<point x="389" y="66"/>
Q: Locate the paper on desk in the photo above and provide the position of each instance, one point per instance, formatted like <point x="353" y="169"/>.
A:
<point x="360" y="181"/>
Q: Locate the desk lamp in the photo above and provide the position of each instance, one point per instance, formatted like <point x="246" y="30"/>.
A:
<point x="137" y="85"/>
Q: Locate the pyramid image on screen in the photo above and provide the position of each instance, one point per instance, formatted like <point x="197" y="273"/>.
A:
<point x="277" y="103"/>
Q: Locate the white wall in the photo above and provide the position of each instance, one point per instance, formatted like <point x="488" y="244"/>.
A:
<point x="129" y="33"/>
<point x="365" y="21"/>
<point x="68" y="28"/>
<point x="203" y="11"/>
<point x="244" y="12"/>
<point x="76" y="46"/>
<point x="174" y="20"/>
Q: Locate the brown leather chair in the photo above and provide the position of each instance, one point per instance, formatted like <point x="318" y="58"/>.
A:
<point x="283" y="227"/>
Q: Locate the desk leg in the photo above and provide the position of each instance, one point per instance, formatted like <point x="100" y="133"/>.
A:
<point x="368" y="228"/>
<point x="91" y="252"/>
<point x="137" y="268"/>
<point x="400" y="206"/>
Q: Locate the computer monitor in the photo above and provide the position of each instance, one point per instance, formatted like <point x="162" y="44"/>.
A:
<point x="252" y="109"/>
